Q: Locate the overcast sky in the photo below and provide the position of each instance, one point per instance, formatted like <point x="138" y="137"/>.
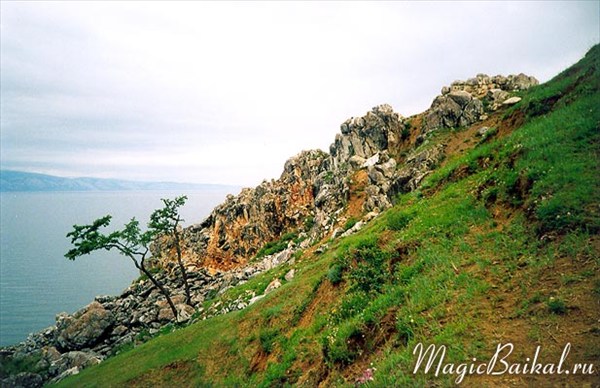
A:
<point x="226" y="92"/>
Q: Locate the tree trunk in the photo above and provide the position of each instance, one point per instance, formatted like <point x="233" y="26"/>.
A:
<point x="182" y="268"/>
<point x="162" y="289"/>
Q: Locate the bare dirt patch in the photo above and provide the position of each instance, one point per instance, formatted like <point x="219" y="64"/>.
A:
<point x="517" y="311"/>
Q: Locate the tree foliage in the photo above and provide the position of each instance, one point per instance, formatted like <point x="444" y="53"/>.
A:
<point x="166" y="222"/>
<point x="130" y="241"/>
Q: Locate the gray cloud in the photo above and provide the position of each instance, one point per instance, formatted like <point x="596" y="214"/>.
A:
<point x="225" y="92"/>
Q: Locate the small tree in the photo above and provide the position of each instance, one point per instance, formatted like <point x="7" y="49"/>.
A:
<point x="166" y="221"/>
<point x="130" y="242"/>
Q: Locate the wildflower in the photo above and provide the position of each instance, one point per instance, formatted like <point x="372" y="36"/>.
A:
<point x="366" y="376"/>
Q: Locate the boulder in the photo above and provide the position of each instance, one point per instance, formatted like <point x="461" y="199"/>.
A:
<point x="496" y="97"/>
<point x="356" y="162"/>
<point x="289" y="275"/>
<point x="256" y="298"/>
<point x="379" y="130"/>
<point x="375" y="176"/>
<point x="461" y="97"/>
<point x="69" y="372"/>
<point x="511" y="101"/>
<point x="388" y="168"/>
<point x="85" y="328"/>
<point x="23" y="380"/>
<point x="273" y="286"/>
<point x="73" y="360"/>
<point x="455" y="109"/>
<point x="184" y="312"/>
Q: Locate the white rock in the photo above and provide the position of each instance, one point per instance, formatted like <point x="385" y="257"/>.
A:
<point x="259" y="297"/>
<point x="511" y="101"/>
<point x="290" y="275"/>
<point x="371" y="161"/>
<point x="272" y="286"/>
<point x="483" y="130"/>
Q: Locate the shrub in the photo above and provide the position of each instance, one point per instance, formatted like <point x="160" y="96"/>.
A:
<point x="352" y="304"/>
<point x="276" y="246"/>
<point x="267" y="339"/>
<point x="404" y="325"/>
<point x="405" y="273"/>
<point x="398" y="220"/>
<point x="405" y="133"/>
<point x="343" y="344"/>
<point x="309" y="222"/>
<point x="350" y="223"/>
<point x="369" y="272"/>
<point x="335" y="274"/>
<point x="539" y="107"/>
<point x="557" y="306"/>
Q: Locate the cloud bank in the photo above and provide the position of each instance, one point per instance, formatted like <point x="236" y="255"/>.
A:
<point x="226" y="92"/>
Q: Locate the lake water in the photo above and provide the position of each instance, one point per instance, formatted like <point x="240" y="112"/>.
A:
<point x="37" y="281"/>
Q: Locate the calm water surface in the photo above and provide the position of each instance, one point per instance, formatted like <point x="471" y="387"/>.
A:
<point x="37" y="281"/>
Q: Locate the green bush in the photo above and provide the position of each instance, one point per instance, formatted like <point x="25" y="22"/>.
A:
<point x="350" y="223"/>
<point x="368" y="272"/>
<point x="276" y="246"/>
<point x="556" y="306"/>
<point x="352" y="304"/>
<point x="335" y="274"/>
<point x="398" y="220"/>
<point x="309" y="222"/>
<point x="343" y="344"/>
<point x="405" y="133"/>
<point x="405" y="273"/>
<point x="267" y="339"/>
<point x="12" y="366"/>
<point x="404" y="325"/>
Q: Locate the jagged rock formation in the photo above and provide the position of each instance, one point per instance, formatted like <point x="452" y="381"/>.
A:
<point x="362" y="137"/>
<point x="309" y="196"/>
<point x="458" y="108"/>
<point x="482" y="84"/>
<point x="313" y="190"/>
<point x="238" y="228"/>
<point x="462" y="103"/>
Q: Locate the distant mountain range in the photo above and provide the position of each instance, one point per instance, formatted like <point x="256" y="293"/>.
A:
<point x="12" y="181"/>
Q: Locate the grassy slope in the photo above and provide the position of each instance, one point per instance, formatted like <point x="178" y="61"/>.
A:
<point x="500" y="245"/>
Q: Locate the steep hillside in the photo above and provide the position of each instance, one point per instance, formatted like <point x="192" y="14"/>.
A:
<point x="471" y="225"/>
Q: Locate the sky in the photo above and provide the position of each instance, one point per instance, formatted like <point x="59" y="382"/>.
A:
<point x="226" y="92"/>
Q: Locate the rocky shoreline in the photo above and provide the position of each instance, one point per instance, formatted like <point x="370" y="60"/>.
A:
<point x="111" y="323"/>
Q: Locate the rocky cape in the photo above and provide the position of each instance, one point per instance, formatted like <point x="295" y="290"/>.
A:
<point x="320" y="196"/>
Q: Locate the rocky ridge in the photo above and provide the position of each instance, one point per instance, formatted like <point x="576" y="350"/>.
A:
<point x="313" y="190"/>
<point x="312" y="198"/>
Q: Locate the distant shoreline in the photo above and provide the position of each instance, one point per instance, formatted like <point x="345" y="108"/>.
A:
<point x="19" y="181"/>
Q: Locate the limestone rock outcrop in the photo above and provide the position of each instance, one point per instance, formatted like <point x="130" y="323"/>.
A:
<point x="362" y="137"/>
<point x="308" y="197"/>
<point x="465" y="102"/>
<point x="238" y="228"/>
<point x="482" y="84"/>
<point x="456" y="109"/>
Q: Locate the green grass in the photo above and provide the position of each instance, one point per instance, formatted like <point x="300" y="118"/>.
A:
<point x="25" y="364"/>
<point x="276" y="246"/>
<point x="417" y="274"/>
